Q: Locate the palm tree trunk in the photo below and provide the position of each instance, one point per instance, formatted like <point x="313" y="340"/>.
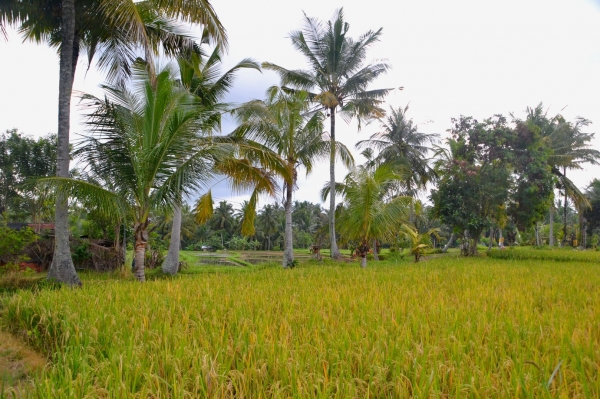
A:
<point x="62" y="268"/>
<point x="124" y="249"/>
<point x="117" y="234"/>
<point x="171" y="262"/>
<point x="491" y="244"/>
<point x="551" y="224"/>
<point x="448" y="243"/>
<point x="141" y="241"/>
<point x="564" y="240"/>
<point x="288" y="253"/>
<point x="363" y="262"/>
<point x="375" y="255"/>
<point x="580" y="214"/>
<point x="335" y="252"/>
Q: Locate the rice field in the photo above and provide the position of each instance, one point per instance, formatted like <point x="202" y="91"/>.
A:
<point x="448" y="327"/>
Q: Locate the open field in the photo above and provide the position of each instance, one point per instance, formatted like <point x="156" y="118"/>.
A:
<point x="448" y="327"/>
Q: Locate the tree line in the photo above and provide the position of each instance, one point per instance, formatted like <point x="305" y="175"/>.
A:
<point x="153" y="142"/>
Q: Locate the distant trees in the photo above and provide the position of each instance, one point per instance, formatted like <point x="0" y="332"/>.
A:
<point x="22" y="159"/>
<point x="492" y="171"/>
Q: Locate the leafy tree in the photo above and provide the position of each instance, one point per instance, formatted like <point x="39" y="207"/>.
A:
<point x="475" y="177"/>
<point x="13" y="242"/>
<point x="532" y="194"/>
<point x="338" y="79"/>
<point x="283" y="123"/>
<point x="21" y="159"/>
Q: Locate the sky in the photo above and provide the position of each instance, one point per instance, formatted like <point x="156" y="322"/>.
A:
<point x="462" y="57"/>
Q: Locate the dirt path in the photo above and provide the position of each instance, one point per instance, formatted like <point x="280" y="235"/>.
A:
<point x="18" y="364"/>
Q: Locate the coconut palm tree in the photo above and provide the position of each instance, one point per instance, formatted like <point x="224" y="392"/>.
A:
<point x="99" y="25"/>
<point x="366" y="216"/>
<point x="156" y="145"/>
<point x="419" y="242"/>
<point x="223" y="220"/>
<point x="200" y="74"/>
<point x="338" y="80"/>
<point x="571" y="149"/>
<point x="400" y="143"/>
<point x="283" y="123"/>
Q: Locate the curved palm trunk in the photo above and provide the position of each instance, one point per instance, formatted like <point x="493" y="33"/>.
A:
<point x="335" y="252"/>
<point x="171" y="262"/>
<point x="448" y="243"/>
<point x="141" y="241"/>
<point x="288" y="253"/>
<point x="62" y="268"/>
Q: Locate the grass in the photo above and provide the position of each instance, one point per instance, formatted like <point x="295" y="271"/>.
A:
<point x="447" y="327"/>
<point x="546" y="254"/>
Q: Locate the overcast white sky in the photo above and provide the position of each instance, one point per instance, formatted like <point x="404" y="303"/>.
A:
<point x="462" y="57"/>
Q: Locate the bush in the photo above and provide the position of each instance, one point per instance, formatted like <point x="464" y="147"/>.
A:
<point x="13" y="243"/>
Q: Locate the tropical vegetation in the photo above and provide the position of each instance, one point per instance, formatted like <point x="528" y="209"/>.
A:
<point x="211" y="217"/>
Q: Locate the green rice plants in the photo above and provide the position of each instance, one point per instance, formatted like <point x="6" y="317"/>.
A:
<point x="546" y="254"/>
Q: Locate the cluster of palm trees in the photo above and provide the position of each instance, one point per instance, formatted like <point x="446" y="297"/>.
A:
<point x="151" y="143"/>
<point x="224" y="228"/>
<point x="153" y="140"/>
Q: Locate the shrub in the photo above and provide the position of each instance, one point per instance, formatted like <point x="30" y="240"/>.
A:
<point x="13" y="243"/>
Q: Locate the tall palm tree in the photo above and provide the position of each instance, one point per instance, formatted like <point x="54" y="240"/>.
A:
<point x="400" y="144"/>
<point x="571" y="148"/>
<point x="338" y="80"/>
<point x="99" y="24"/>
<point x="366" y="216"/>
<point x="283" y="123"/>
<point x="200" y="74"/>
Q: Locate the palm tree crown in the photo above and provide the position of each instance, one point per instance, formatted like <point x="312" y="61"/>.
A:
<point x="401" y="144"/>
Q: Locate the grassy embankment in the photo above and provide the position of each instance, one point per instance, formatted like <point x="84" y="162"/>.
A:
<point x="447" y="327"/>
